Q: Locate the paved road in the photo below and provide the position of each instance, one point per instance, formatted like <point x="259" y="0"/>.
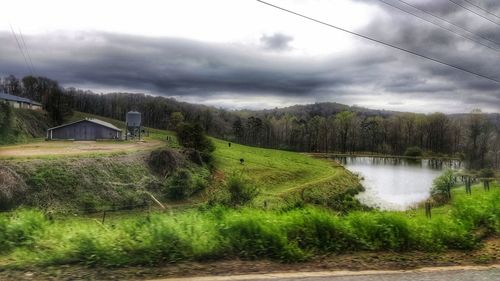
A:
<point x="445" y="274"/>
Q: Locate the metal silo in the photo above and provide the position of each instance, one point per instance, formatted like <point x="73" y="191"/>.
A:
<point x="133" y="119"/>
<point x="133" y="124"/>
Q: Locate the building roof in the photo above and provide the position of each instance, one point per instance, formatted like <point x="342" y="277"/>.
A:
<point x="95" y="121"/>
<point x="5" y="96"/>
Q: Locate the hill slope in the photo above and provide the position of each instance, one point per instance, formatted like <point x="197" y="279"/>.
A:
<point x="289" y="176"/>
<point x="92" y="180"/>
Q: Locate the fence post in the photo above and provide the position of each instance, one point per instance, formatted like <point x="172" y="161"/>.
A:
<point x="103" y="217"/>
<point x="428" y="209"/>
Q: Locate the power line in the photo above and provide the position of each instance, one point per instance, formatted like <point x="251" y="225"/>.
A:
<point x="440" y="26"/>
<point x="472" y="11"/>
<point x="481" y="8"/>
<point x="381" y="42"/>
<point x="27" y="51"/>
<point x="448" y="22"/>
<point x="21" y="49"/>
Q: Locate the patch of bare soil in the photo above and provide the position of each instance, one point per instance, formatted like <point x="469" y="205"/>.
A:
<point x="74" y="148"/>
<point x="489" y="254"/>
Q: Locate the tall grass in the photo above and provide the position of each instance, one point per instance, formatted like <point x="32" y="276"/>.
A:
<point x="220" y="232"/>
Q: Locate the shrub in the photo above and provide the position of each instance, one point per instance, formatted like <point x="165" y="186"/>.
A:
<point x="441" y="187"/>
<point x="21" y="228"/>
<point x="191" y="135"/>
<point x="479" y="212"/>
<point x="165" y="161"/>
<point x="379" y="231"/>
<point x="413" y="151"/>
<point x="241" y="192"/>
<point x="486" y="173"/>
<point x="180" y="185"/>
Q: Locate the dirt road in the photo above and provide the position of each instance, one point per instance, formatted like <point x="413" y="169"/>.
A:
<point x="54" y="148"/>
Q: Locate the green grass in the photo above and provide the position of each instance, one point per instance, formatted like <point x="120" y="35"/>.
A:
<point x="248" y="233"/>
<point x="284" y="173"/>
<point x="27" y="126"/>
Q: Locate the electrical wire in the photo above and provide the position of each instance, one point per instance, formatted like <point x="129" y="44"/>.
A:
<point x="474" y="12"/>
<point x="27" y="51"/>
<point x="482" y="9"/>
<point x="381" y="42"/>
<point x="21" y="49"/>
<point x="440" y="26"/>
<point x="450" y="23"/>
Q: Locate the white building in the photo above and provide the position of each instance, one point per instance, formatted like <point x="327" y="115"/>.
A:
<point x="19" y="102"/>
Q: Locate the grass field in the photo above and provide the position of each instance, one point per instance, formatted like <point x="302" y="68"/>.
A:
<point x="277" y="171"/>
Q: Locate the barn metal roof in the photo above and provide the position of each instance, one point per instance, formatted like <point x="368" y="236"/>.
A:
<point x="95" y="121"/>
<point x="5" y="96"/>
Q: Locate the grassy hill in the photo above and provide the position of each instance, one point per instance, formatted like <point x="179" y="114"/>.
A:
<point x="287" y="175"/>
<point x="24" y="126"/>
<point x="93" y="177"/>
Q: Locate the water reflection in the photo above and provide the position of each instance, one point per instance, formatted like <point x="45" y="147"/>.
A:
<point x="396" y="183"/>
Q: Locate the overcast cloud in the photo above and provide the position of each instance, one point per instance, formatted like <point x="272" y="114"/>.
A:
<point x="277" y="66"/>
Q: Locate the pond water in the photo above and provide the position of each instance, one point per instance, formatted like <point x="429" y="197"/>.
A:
<point x="395" y="183"/>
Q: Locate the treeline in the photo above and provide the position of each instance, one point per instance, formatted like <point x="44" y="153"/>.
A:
<point x="472" y="137"/>
<point x="54" y="98"/>
<point x="323" y="127"/>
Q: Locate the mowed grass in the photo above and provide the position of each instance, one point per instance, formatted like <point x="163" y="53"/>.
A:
<point x="277" y="171"/>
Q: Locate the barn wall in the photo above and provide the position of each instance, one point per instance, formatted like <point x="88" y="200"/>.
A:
<point x="84" y="131"/>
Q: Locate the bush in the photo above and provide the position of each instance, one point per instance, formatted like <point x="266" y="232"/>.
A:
<point x="240" y="191"/>
<point x="486" y="173"/>
<point x="483" y="211"/>
<point x="181" y="185"/>
<point x="441" y="187"/>
<point x="191" y="135"/>
<point x="20" y="229"/>
<point x="413" y="151"/>
<point x="165" y="161"/>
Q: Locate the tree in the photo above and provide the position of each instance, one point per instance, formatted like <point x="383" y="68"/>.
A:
<point x="12" y="85"/>
<point x="5" y="118"/>
<point x="478" y="138"/>
<point x="238" y="130"/>
<point x="441" y="188"/>
<point x="191" y="135"/>
<point x="344" y="121"/>
<point x="176" y="118"/>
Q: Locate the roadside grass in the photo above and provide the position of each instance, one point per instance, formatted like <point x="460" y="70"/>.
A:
<point x="28" y="238"/>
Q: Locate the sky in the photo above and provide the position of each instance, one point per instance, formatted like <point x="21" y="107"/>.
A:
<point x="243" y="54"/>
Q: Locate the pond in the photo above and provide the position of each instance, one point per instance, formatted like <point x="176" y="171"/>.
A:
<point x="395" y="183"/>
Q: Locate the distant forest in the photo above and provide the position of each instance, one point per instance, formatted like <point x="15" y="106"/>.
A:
<point x="321" y="127"/>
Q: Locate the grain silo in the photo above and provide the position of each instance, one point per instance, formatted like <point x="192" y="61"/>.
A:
<point x="133" y="124"/>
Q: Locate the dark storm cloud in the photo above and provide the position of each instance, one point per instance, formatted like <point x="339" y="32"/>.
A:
<point x="177" y="66"/>
<point x="198" y="70"/>
<point x="277" y="41"/>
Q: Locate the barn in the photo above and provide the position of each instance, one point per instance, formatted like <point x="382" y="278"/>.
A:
<point x="86" y="129"/>
<point x="19" y="102"/>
